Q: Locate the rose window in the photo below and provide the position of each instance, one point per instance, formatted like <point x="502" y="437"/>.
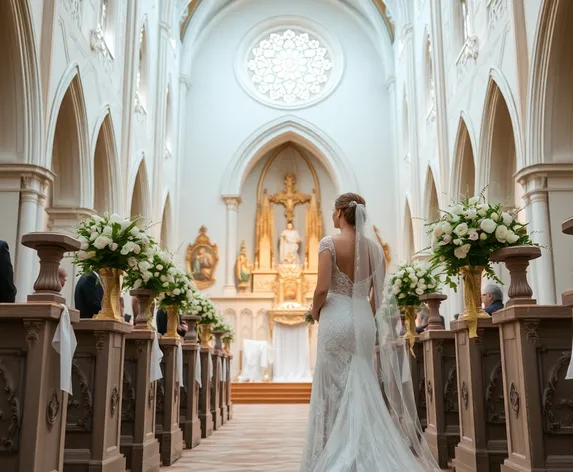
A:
<point x="290" y="67"/>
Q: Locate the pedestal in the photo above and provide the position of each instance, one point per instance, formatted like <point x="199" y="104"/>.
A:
<point x="418" y="381"/>
<point x="34" y="424"/>
<point x="94" y="412"/>
<point x="536" y="350"/>
<point x="167" y="429"/>
<point x="189" y="415"/>
<point x="216" y="389"/>
<point x="205" y="415"/>
<point x="483" y="444"/>
<point x="443" y="428"/>
<point x="138" y="442"/>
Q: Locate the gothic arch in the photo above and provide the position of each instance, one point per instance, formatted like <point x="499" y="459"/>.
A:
<point x="107" y="195"/>
<point x="277" y="132"/>
<point x="166" y="225"/>
<point x="464" y="162"/>
<point x="141" y="196"/>
<point x="498" y="149"/>
<point x="21" y="133"/>
<point x="68" y="148"/>
<point x="431" y="199"/>
<point x="549" y="102"/>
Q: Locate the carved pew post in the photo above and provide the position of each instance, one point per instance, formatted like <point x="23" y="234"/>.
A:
<point x="223" y="384"/>
<point x="30" y="367"/>
<point x="536" y="350"/>
<point x="189" y="419"/>
<point x="418" y="382"/>
<point x="138" y="442"/>
<point x="442" y="431"/>
<point x="205" y="414"/>
<point x="94" y="415"/>
<point x="483" y="440"/>
<point x="216" y="385"/>
<point x="229" y="360"/>
<point x="167" y="429"/>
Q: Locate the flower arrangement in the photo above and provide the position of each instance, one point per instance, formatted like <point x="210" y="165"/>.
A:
<point x="110" y="242"/>
<point x="178" y="288"/>
<point x="222" y="325"/>
<point x="469" y="232"/>
<point x="152" y="273"/>
<point x="412" y="280"/>
<point x="201" y="305"/>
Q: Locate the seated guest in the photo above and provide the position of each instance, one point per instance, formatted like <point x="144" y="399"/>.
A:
<point x="492" y="298"/>
<point x="161" y="321"/>
<point x="62" y="276"/>
<point x="88" y="295"/>
<point x="7" y="287"/>
<point x="422" y="318"/>
<point x="126" y="316"/>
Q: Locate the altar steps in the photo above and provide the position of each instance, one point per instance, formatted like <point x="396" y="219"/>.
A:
<point x="270" y="392"/>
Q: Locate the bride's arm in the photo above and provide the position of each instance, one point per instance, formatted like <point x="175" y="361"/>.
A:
<point x="322" y="282"/>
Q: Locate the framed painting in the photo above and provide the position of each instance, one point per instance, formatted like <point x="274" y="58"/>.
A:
<point x="202" y="259"/>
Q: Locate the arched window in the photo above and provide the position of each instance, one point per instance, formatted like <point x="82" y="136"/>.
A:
<point x="168" y="125"/>
<point x="141" y="82"/>
<point x="464" y="20"/>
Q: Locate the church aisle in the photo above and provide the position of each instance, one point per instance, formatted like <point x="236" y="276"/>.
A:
<point x="259" y="438"/>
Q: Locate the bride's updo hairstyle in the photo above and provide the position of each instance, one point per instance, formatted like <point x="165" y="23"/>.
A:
<point x="346" y="203"/>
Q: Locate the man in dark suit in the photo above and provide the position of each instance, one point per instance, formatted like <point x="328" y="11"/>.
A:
<point x="88" y="295"/>
<point x="492" y="298"/>
<point x="7" y="287"/>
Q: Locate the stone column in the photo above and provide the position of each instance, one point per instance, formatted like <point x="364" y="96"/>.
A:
<point x="138" y="442"/>
<point x="190" y="423"/>
<point x="94" y="412"/>
<point x="167" y="429"/>
<point x="232" y="203"/>
<point x="25" y="257"/>
<point x="205" y="414"/>
<point x="483" y="444"/>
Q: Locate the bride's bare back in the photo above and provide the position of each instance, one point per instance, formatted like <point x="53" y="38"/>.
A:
<point x="345" y="247"/>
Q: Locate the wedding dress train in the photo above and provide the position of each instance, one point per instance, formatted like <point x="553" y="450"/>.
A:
<point x="350" y="427"/>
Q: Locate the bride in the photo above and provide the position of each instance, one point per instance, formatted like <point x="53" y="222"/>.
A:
<point x="354" y="425"/>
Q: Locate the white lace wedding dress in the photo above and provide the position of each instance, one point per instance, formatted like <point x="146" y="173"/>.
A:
<point x="350" y="428"/>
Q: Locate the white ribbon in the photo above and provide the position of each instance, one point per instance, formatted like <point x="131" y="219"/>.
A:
<point x="569" y="374"/>
<point x="210" y="366"/>
<point x="220" y="367"/>
<point x="65" y="343"/>
<point x="155" y="365"/>
<point x="180" y="365"/>
<point x="198" y="367"/>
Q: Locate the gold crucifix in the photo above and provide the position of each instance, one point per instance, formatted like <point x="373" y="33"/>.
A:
<point x="289" y="197"/>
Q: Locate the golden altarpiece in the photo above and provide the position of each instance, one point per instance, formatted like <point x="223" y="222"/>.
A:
<point x="292" y="280"/>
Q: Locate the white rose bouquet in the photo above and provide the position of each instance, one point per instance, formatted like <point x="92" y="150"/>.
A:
<point x="469" y="232"/>
<point x="201" y="305"/>
<point x="222" y="325"/>
<point x="154" y="273"/>
<point x="111" y="242"/>
<point x="412" y="280"/>
<point x="177" y="289"/>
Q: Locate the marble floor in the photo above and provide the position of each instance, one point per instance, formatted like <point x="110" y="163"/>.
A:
<point x="251" y="442"/>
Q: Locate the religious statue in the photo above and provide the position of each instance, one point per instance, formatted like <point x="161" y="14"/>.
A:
<point x="243" y="269"/>
<point x="289" y="197"/>
<point x="289" y="244"/>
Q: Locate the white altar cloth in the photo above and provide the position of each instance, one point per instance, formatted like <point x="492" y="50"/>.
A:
<point x="292" y="353"/>
<point x="257" y="357"/>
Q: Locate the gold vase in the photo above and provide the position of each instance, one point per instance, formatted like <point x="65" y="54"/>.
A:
<point x="472" y="298"/>
<point x="205" y="335"/>
<point x="172" y="321"/>
<point x="111" y="283"/>
<point x="227" y="343"/>
<point x="409" y="312"/>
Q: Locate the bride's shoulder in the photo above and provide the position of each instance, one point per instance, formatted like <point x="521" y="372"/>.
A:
<point x="325" y="243"/>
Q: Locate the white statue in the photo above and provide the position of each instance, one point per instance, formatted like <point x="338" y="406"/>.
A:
<point x="289" y="244"/>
